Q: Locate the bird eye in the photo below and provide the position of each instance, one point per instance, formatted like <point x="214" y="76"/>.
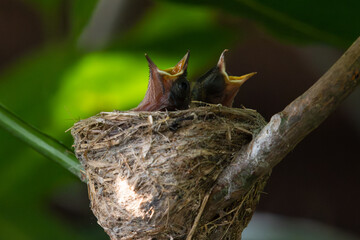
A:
<point x="183" y="85"/>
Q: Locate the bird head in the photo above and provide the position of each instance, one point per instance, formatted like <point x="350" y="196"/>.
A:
<point x="216" y="86"/>
<point x="168" y="89"/>
<point x="232" y="83"/>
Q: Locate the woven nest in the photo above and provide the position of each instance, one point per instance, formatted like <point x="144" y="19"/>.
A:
<point x="148" y="172"/>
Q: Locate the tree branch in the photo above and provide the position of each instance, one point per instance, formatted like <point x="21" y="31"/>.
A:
<point x="285" y="130"/>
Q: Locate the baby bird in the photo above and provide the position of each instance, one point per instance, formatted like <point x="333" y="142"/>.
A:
<point x="168" y="89"/>
<point x="217" y="87"/>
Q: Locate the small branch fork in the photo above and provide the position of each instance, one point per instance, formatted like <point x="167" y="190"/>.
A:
<point x="285" y="130"/>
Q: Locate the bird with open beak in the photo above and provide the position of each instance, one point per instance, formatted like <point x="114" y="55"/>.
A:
<point x="168" y="89"/>
<point x="217" y="87"/>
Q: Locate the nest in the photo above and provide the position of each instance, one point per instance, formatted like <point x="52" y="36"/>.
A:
<point x="149" y="172"/>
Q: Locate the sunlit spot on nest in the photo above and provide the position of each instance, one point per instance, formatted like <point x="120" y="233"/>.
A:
<point x="128" y="199"/>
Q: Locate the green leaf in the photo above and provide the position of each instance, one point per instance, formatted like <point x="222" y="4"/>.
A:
<point x="42" y="143"/>
<point x="331" y="22"/>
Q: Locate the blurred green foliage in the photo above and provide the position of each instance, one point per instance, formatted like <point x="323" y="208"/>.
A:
<point x="300" y="21"/>
<point x="59" y="84"/>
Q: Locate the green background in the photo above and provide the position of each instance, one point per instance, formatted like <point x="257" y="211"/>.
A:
<point x="59" y="83"/>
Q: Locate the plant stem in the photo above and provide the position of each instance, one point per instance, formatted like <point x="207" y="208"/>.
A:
<point x="42" y="143"/>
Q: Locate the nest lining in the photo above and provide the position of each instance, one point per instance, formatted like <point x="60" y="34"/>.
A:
<point x="148" y="172"/>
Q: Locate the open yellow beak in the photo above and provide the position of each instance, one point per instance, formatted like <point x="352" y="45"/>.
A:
<point x="239" y="80"/>
<point x="177" y="70"/>
<point x="232" y="80"/>
<point x="163" y="79"/>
